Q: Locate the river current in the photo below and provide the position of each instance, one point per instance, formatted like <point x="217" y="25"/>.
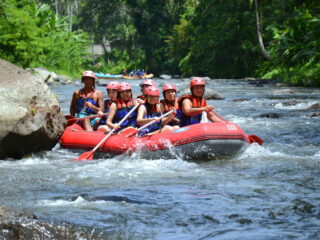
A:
<point x="267" y="192"/>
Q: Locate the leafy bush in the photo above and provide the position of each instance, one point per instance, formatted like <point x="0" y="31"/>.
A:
<point x="32" y="37"/>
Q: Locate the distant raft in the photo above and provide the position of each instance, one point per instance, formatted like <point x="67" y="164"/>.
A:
<point x="119" y="76"/>
<point x="108" y="76"/>
<point x="136" y="77"/>
<point x="203" y="141"/>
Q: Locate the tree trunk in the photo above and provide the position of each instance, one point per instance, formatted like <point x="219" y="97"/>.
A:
<point x="92" y="40"/>
<point x="107" y="48"/>
<point x="77" y="6"/>
<point x="57" y="11"/>
<point x="260" y="39"/>
<point x="70" y="17"/>
<point x="67" y="5"/>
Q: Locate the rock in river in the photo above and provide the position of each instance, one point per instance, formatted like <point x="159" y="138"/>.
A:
<point x="30" y="117"/>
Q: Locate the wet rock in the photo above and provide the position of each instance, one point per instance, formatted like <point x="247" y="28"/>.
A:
<point x="286" y="91"/>
<point x="303" y="207"/>
<point x="290" y="103"/>
<point x="208" y="94"/>
<point x="244" y="221"/>
<point x="65" y="79"/>
<point x="44" y="74"/>
<point x="259" y="82"/>
<point x="281" y="85"/>
<point x="315" y="106"/>
<point x="269" y="115"/>
<point x="15" y="225"/>
<point x="30" y="117"/>
<point x="164" y="76"/>
<point x="212" y="94"/>
<point x="211" y="219"/>
<point x="316" y="114"/>
<point x="240" y="100"/>
<point x="250" y="79"/>
<point x="103" y="82"/>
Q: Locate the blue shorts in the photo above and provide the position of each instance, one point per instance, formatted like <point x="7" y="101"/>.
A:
<point x="92" y="121"/>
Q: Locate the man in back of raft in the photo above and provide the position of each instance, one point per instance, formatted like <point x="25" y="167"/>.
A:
<point x="193" y="105"/>
<point x="87" y="101"/>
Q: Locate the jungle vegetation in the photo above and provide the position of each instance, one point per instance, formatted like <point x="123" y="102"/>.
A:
<point x="272" y="39"/>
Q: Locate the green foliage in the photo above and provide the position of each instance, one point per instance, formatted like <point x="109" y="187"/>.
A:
<point x="154" y="21"/>
<point x="32" y="37"/>
<point x="295" y="50"/>
<point x="190" y="37"/>
<point x="224" y="41"/>
<point x="119" y="60"/>
<point x="179" y="43"/>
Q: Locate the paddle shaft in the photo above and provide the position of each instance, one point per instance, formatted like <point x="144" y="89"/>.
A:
<point x="219" y="116"/>
<point x="92" y="116"/>
<point x="123" y="119"/>
<point x="149" y="123"/>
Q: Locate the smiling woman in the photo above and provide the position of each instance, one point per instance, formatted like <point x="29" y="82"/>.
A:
<point x="151" y="111"/>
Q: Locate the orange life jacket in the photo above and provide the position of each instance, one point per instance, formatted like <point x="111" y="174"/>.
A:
<point x="197" y="102"/>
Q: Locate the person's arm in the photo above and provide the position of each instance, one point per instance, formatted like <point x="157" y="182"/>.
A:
<point x="214" y="118"/>
<point x="101" y="102"/>
<point x="188" y="110"/>
<point x="74" y="100"/>
<point x="112" y="113"/>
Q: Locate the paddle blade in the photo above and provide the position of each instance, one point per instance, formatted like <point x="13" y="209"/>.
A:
<point x="129" y="132"/>
<point x="255" y="139"/>
<point x="85" y="156"/>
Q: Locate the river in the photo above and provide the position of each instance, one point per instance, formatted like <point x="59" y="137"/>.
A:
<point x="267" y="192"/>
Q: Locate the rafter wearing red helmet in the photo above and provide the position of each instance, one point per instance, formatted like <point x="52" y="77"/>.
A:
<point x="87" y="101"/>
<point x="150" y="111"/>
<point x="144" y="84"/>
<point x="170" y="102"/>
<point x="112" y="91"/>
<point x="192" y="106"/>
<point x="119" y="108"/>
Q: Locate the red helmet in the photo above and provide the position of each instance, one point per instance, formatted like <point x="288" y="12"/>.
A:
<point x="113" y="85"/>
<point x="197" y="81"/>
<point x="168" y="87"/>
<point x="148" y="82"/>
<point x="124" y="86"/>
<point x="88" y="74"/>
<point x="152" y="91"/>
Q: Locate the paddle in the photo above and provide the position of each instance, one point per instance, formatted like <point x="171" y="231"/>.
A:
<point x="255" y="138"/>
<point x="128" y="132"/>
<point x="252" y="138"/>
<point x="89" y="155"/>
<point x="71" y="119"/>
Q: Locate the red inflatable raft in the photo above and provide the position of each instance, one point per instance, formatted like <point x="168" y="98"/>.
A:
<point x="198" y="142"/>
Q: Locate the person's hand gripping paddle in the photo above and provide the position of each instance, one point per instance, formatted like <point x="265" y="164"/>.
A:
<point x="129" y="132"/>
<point x="89" y="155"/>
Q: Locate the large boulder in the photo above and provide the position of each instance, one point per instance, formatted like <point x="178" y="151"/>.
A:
<point x="30" y="117"/>
<point x="315" y="106"/>
<point x="44" y="74"/>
